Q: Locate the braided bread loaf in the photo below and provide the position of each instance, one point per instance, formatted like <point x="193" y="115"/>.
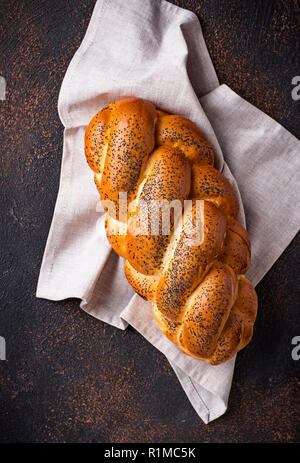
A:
<point x="193" y="275"/>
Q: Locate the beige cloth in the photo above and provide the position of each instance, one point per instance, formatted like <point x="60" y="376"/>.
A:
<point x="155" y="50"/>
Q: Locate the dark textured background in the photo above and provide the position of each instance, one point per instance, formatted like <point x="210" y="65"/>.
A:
<point x="69" y="377"/>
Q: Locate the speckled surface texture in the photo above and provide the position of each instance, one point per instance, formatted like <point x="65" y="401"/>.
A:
<point x="69" y="377"/>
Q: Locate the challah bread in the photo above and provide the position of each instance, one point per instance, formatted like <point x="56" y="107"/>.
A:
<point x="194" y="273"/>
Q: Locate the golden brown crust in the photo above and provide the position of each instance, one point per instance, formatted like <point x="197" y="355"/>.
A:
<point x="181" y="133"/>
<point x="97" y="139"/>
<point x="236" y="250"/>
<point x="238" y="330"/>
<point x="122" y="133"/>
<point x="207" y="312"/>
<point x="144" y="285"/>
<point x="169" y="328"/>
<point x="168" y="177"/>
<point x="193" y="275"/>
<point x="190" y="260"/>
<point x="208" y="183"/>
<point x="237" y="228"/>
<point x="213" y="329"/>
<point x="116" y="234"/>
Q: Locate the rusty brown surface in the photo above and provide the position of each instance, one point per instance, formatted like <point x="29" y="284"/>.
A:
<point x="69" y="377"/>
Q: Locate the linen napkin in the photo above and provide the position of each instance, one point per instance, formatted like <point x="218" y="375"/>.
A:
<point x="155" y="50"/>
